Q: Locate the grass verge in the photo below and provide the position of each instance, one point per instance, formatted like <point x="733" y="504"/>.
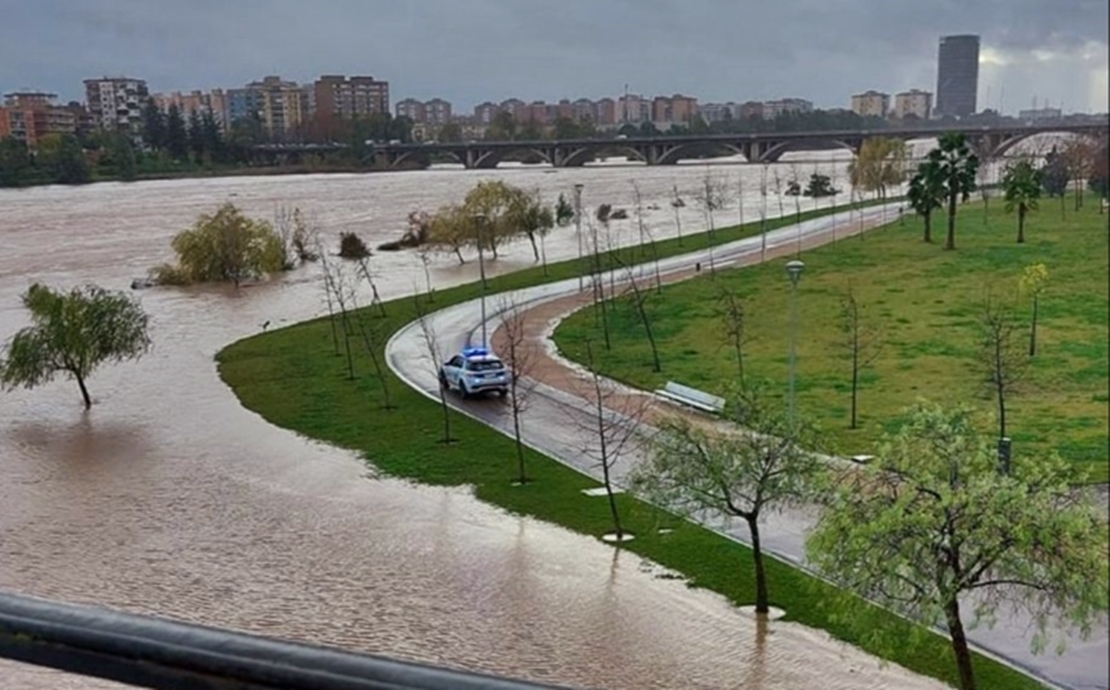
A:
<point x="926" y="304"/>
<point x="293" y="378"/>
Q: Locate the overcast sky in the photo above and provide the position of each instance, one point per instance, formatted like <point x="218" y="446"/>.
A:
<point x="468" y="51"/>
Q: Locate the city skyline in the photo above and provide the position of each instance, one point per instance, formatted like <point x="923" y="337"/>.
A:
<point x="578" y="49"/>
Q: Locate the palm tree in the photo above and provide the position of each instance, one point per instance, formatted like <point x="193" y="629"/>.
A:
<point x="958" y="167"/>
<point x="926" y="193"/>
<point x="1022" y="185"/>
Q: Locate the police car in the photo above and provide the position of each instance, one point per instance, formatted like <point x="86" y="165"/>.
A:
<point x="474" y="371"/>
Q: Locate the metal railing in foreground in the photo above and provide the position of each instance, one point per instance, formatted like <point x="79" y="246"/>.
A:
<point x="155" y="653"/>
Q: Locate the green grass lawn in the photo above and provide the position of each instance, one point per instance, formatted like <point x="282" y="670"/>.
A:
<point x="926" y="303"/>
<point x="293" y="378"/>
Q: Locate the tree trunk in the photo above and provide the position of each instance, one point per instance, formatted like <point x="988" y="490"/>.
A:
<point x="1001" y="407"/>
<point x="446" y="415"/>
<point x="84" y="390"/>
<point x="1033" y="330"/>
<point x="458" y="253"/>
<point x="959" y="645"/>
<point x="762" y="604"/>
<point x="522" y="477"/>
<point x="1021" y="224"/>
<point x="855" y="372"/>
<point x="535" y="249"/>
<point x="950" y="243"/>
<point x="928" y="227"/>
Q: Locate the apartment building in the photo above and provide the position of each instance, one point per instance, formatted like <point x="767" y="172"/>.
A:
<point x="871" y="104"/>
<point x="438" y="112"/>
<point x="31" y="115"/>
<point x="673" y="109"/>
<point x="718" y="112"/>
<point x="281" y="106"/>
<point x="784" y="106"/>
<point x="606" y="112"/>
<point x="633" y="109"/>
<point x="212" y="103"/>
<point x="752" y="110"/>
<point x="117" y="102"/>
<point x="337" y="96"/>
<point x="412" y="109"/>
<point x="915" y="103"/>
<point x="484" y="112"/>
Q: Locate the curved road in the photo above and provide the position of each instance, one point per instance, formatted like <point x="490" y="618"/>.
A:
<point x="557" y="421"/>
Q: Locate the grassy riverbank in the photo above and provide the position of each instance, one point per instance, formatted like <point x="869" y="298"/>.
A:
<point x="926" y="304"/>
<point x="293" y="378"/>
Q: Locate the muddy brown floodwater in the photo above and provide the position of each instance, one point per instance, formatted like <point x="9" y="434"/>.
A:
<point x="169" y="498"/>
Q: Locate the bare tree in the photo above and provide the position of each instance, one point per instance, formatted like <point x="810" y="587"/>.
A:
<point x="600" y="307"/>
<point x="862" y="341"/>
<point x="1079" y="157"/>
<point x="1001" y="353"/>
<point x="740" y="194"/>
<point x="613" y="428"/>
<point x="712" y="197"/>
<point x="763" y="214"/>
<point x="327" y="295"/>
<point x="735" y="319"/>
<point x="364" y="268"/>
<point x="744" y="473"/>
<point x="338" y="285"/>
<point x="638" y="300"/>
<point x="372" y="338"/>
<point x="424" y="252"/>
<point x="677" y="203"/>
<point x="639" y="201"/>
<point x="644" y="231"/>
<point x="984" y="173"/>
<point x="778" y="193"/>
<point x="519" y="360"/>
<point x="434" y="356"/>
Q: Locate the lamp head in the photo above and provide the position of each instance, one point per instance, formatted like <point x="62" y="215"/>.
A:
<point x="794" y="270"/>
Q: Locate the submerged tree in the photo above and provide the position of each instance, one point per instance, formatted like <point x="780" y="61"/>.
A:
<point x="225" y="246"/>
<point x="933" y="523"/>
<point x="72" y="334"/>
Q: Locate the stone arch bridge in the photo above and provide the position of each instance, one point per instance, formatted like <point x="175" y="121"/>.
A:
<point x="988" y="141"/>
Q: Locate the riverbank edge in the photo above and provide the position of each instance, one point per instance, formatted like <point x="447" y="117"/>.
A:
<point x="705" y="558"/>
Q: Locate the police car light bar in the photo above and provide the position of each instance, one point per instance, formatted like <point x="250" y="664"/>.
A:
<point x="475" y="352"/>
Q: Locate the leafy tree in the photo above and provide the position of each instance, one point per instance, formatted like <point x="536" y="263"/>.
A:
<point x="933" y="522"/>
<point x="564" y="211"/>
<point x="226" y="246"/>
<point x="745" y="472"/>
<point x="15" y="162"/>
<point x="64" y="157"/>
<point x="502" y="127"/>
<point x="527" y="213"/>
<point x="177" y="139"/>
<point x="154" y="126"/>
<point x="1034" y="280"/>
<point x="958" y="166"/>
<point x="351" y="246"/>
<point x="1054" y="174"/>
<point x="450" y="132"/>
<point x="1021" y="183"/>
<point x="212" y="138"/>
<point x="73" y="333"/>
<point x="820" y="186"/>
<point x="565" y="128"/>
<point x="880" y="164"/>
<point x="196" y="136"/>
<point x="498" y="203"/>
<point x="1099" y="182"/>
<point x="926" y="193"/>
<point x="121" y="152"/>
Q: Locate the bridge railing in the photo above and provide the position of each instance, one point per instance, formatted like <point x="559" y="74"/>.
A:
<point x="150" y="652"/>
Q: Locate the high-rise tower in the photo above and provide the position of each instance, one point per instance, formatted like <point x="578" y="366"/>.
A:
<point x="957" y="75"/>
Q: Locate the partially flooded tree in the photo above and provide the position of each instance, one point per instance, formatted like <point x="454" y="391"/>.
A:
<point x="532" y="218"/>
<point x="376" y="298"/>
<point x="745" y="472"/>
<point x="1001" y="355"/>
<point x="519" y="360"/>
<point x="862" y="342"/>
<point x="351" y="246"/>
<point x="932" y="526"/>
<point x="72" y="334"/>
<point x="327" y="295"/>
<point x="735" y="319"/>
<point x="676" y="204"/>
<point x="225" y="246"/>
<point x="645" y="232"/>
<point x="433" y="354"/>
<point x="1034" y="280"/>
<point x="297" y="237"/>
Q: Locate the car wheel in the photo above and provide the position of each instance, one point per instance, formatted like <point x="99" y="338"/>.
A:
<point x="443" y="381"/>
<point x="463" y="391"/>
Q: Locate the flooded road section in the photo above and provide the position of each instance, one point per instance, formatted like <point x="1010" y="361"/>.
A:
<point x="169" y="498"/>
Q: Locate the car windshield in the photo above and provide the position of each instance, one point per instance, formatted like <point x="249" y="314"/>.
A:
<point x="484" y="365"/>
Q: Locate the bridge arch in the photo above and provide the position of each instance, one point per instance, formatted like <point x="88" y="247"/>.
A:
<point x="490" y="158"/>
<point x="675" y="153"/>
<point x="773" y="154"/>
<point x="584" y="154"/>
<point x="1012" y="141"/>
<point x="423" y="157"/>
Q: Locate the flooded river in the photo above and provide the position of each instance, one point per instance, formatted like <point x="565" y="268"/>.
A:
<point x="169" y="498"/>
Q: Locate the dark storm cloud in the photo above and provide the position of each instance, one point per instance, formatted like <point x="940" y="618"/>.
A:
<point x="472" y="50"/>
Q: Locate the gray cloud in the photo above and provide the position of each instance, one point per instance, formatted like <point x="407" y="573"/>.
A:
<point x="473" y="50"/>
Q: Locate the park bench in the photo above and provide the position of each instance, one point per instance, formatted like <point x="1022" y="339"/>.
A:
<point x="691" y="397"/>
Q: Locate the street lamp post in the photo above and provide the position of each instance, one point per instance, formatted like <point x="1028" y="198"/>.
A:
<point x="794" y="272"/>
<point x="578" y="229"/>
<point x="479" y="222"/>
